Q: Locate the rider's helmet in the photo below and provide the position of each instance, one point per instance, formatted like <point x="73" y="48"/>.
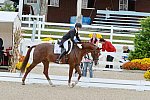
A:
<point x="78" y="25"/>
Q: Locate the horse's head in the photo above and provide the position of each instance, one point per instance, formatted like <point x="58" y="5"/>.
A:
<point x="95" y="51"/>
<point x="95" y="55"/>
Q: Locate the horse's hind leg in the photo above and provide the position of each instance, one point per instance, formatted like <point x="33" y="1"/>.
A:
<point x="45" y="72"/>
<point x="27" y="71"/>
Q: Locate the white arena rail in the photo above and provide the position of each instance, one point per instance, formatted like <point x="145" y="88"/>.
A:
<point x="40" y="27"/>
<point x="138" y="85"/>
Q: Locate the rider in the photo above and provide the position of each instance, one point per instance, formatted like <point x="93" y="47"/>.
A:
<point x="73" y="36"/>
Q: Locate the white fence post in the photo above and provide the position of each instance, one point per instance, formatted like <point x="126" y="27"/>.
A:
<point x="107" y="15"/>
<point x="38" y="19"/>
<point x="29" y="20"/>
<point x="43" y="21"/>
<point x="20" y="8"/>
<point x="39" y="30"/>
<point x="33" y="31"/>
<point x="111" y="33"/>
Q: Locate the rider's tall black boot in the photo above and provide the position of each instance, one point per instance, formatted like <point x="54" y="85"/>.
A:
<point x="61" y="55"/>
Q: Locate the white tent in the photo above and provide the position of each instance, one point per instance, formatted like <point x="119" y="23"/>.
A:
<point x="9" y="23"/>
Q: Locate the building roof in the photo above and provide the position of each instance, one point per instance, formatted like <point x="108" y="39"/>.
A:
<point x="8" y="16"/>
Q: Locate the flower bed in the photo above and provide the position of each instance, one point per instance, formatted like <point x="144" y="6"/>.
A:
<point x="147" y="75"/>
<point x="137" y="64"/>
<point x="142" y="61"/>
<point x="47" y="39"/>
<point x="19" y="64"/>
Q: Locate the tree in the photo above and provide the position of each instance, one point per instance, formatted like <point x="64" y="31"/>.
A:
<point x="142" y="42"/>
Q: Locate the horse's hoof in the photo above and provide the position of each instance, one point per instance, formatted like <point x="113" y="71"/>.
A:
<point x="53" y="85"/>
<point x="50" y="83"/>
<point x="73" y="84"/>
<point x="23" y="83"/>
<point x="68" y="84"/>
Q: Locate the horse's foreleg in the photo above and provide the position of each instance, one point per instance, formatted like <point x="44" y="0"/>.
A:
<point x="45" y="72"/>
<point x="77" y="68"/>
<point x="70" y="75"/>
<point x="27" y="71"/>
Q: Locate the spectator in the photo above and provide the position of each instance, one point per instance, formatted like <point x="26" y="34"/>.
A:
<point x="126" y="49"/>
<point x="1" y="49"/>
<point x="87" y="63"/>
<point x="94" y="39"/>
<point x="107" y="46"/>
<point x="1" y="43"/>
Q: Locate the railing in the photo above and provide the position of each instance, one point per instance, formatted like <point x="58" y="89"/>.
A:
<point x="119" y="18"/>
<point x="39" y="25"/>
<point x="30" y="18"/>
<point x="131" y="13"/>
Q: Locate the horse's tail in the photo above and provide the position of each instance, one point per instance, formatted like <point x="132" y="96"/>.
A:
<point x="26" y="59"/>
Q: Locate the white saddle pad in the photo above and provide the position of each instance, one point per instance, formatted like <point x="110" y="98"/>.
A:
<point x="57" y="49"/>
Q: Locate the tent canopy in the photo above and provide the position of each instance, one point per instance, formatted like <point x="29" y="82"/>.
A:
<point x="8" y="16"/>
<point x="9" y="22"/>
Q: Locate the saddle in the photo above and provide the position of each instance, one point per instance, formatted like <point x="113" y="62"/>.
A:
<point x="68" y="46"/>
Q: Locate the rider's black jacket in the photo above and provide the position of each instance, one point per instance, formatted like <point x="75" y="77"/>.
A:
<point x="70" y="35"/>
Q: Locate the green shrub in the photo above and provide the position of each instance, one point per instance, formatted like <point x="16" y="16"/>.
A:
<point x="7" y="7"/>
<point x="142" y="42"/>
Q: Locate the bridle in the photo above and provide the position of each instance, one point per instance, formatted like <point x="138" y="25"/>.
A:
<point x="95" y="52"/>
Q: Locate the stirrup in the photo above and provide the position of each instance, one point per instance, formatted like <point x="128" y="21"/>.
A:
<point x="58" y="61"/>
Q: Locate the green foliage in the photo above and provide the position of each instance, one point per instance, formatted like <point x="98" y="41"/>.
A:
<point x="7" y="7"/>
<point x="142" y="42"/>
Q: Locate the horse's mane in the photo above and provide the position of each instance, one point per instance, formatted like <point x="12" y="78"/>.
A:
<point x="84" y="42"/>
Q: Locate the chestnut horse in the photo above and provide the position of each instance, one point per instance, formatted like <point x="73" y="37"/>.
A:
<point x="44" y="53"/>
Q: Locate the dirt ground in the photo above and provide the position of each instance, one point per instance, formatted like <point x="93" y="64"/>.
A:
<point x="16" y="91"/>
